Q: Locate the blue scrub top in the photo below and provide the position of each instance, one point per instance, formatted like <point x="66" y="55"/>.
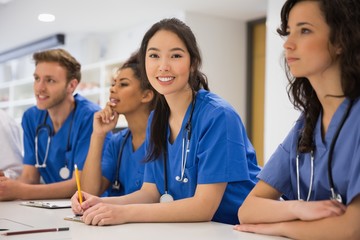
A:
<point x="131" y="172"/>
<point x="280" y="170"/>
<point x="220" y="151"/>
<point x="59" y="154"/>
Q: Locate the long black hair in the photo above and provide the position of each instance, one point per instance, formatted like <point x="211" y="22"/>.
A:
<point x="343" y="19"/>
<point x="197" y="80"/>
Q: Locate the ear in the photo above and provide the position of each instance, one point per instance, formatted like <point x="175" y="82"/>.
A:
<point x="71" y="86"/>
<point x="148" y="96"/>
<point x="338" y="50"/>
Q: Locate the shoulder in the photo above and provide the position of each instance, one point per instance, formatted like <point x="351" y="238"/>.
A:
<point x="212" y="100"/>
<point x="211" y="105"/>
<point x="85" y="106"/>
<point x="34" y="114"/>
<point x="118" y="137"/>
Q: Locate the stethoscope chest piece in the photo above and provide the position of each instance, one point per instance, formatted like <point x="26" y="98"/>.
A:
<point x="335" y="196"/>
<point x="64" y="172"/>
<point x="166" y="198"/>
<point x="116" y="185"/>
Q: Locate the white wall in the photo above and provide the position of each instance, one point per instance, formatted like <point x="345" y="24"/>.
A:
<point x="279" y="112"/>
<point x="223" y="48"/>
<point x="222" y="43"/>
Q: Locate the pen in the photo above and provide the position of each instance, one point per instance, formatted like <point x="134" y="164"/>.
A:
<point x="36" y="231"/>
<point x="78" y="183"/>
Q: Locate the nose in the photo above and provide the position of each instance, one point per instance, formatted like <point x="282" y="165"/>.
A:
<point x="289" y="43"/>
<point x="164" y="65"/>
<point x="112" y="88"/>
<point x="39" y="85"/>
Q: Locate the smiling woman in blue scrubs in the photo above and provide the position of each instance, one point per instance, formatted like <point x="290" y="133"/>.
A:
<point x="200" y="162"/>
<point x="317" y="167"/>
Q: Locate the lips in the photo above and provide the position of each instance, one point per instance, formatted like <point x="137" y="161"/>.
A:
<point x="291" y="59"/>
<point x="114" y="100"/>
<point x="165" y="79"/>
<point x="41" y="97"/>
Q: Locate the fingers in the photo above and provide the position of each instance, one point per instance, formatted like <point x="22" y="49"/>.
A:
<point x="245" y="228"/>
<point x="108" y="114"/>
<point x="75" y="205"/>
<point x="94" y="214"/>
<point x="336" y="208"/>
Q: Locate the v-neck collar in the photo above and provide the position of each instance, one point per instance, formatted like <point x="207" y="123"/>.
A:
<point x="323" y="144"/>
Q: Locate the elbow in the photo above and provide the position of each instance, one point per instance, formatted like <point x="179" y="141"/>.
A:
<point x="244" y="215"/>
<point x="241" y="217"/>
<point x="207" y="214"/>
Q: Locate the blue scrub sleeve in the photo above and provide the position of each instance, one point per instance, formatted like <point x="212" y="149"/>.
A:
<point x="277" y="170"/>
<point x="222" y="150"/>
<point x="354" y="178"/>
<point x="110" y="157"/>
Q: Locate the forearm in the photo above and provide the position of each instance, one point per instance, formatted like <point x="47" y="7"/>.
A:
<point x="91" y="175"/>
<point x="328" y="228"/>
<point x="262" y="210"/>
<point x="198" y="208"/>
<point x="345" y="226"/>
<point x="185" y="210"/>
<point x="58" y="190"/>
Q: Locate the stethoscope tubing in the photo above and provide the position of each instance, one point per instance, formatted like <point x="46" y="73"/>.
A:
<point x="46" y="126"/>
<point x="185" y="150"/>
<point x="334" y="195"/>
<point x="116" y="183"/>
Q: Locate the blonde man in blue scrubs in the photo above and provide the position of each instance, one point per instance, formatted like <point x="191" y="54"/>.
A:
<point x="56" y="131"/>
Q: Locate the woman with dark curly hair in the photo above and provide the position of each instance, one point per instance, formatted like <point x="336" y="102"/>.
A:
<point x="316" y="169"/>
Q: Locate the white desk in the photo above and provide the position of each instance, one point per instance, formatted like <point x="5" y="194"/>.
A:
<point x="17" y="217"/>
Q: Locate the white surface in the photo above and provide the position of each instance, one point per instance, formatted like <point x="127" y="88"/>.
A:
<point x="17" y="217"/>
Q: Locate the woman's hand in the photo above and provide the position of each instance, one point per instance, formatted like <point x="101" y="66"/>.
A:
<point x="103" y="214"/>
<point x="88" y="201"/>
<point x="314" y="210"/>
<point x="105" y="120"/>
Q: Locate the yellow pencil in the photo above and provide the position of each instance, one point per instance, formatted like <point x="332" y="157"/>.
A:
<point x="78" y="184"/>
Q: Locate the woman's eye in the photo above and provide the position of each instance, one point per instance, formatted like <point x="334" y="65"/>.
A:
<point x="305" y="30"/>
<point x="153" y="55"/>
<point x="176" y="56"/>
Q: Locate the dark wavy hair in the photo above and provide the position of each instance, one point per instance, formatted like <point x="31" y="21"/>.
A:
<point x="197" y="80"/>
<point x="62" y="57"/>
<point x="343" y="19"/>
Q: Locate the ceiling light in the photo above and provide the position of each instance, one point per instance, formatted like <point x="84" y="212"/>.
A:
<point x="46" y="17"/>
<point x="30" y="48"/>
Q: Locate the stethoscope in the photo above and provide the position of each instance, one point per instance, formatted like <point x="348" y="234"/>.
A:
<point x="334" y="195"/>
<point x="166" y="197"/>
<point x="116" y="185"/>
<point x="64" y="171"/>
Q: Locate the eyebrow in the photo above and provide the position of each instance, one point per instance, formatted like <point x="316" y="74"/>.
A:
<point x="299" y="24"/>
<point x="46" y="76"/>
<point x="303" y="23"/>
<point x="173" y="49"/>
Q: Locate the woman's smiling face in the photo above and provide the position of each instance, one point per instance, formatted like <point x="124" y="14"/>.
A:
<point x="167" y="63"/>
